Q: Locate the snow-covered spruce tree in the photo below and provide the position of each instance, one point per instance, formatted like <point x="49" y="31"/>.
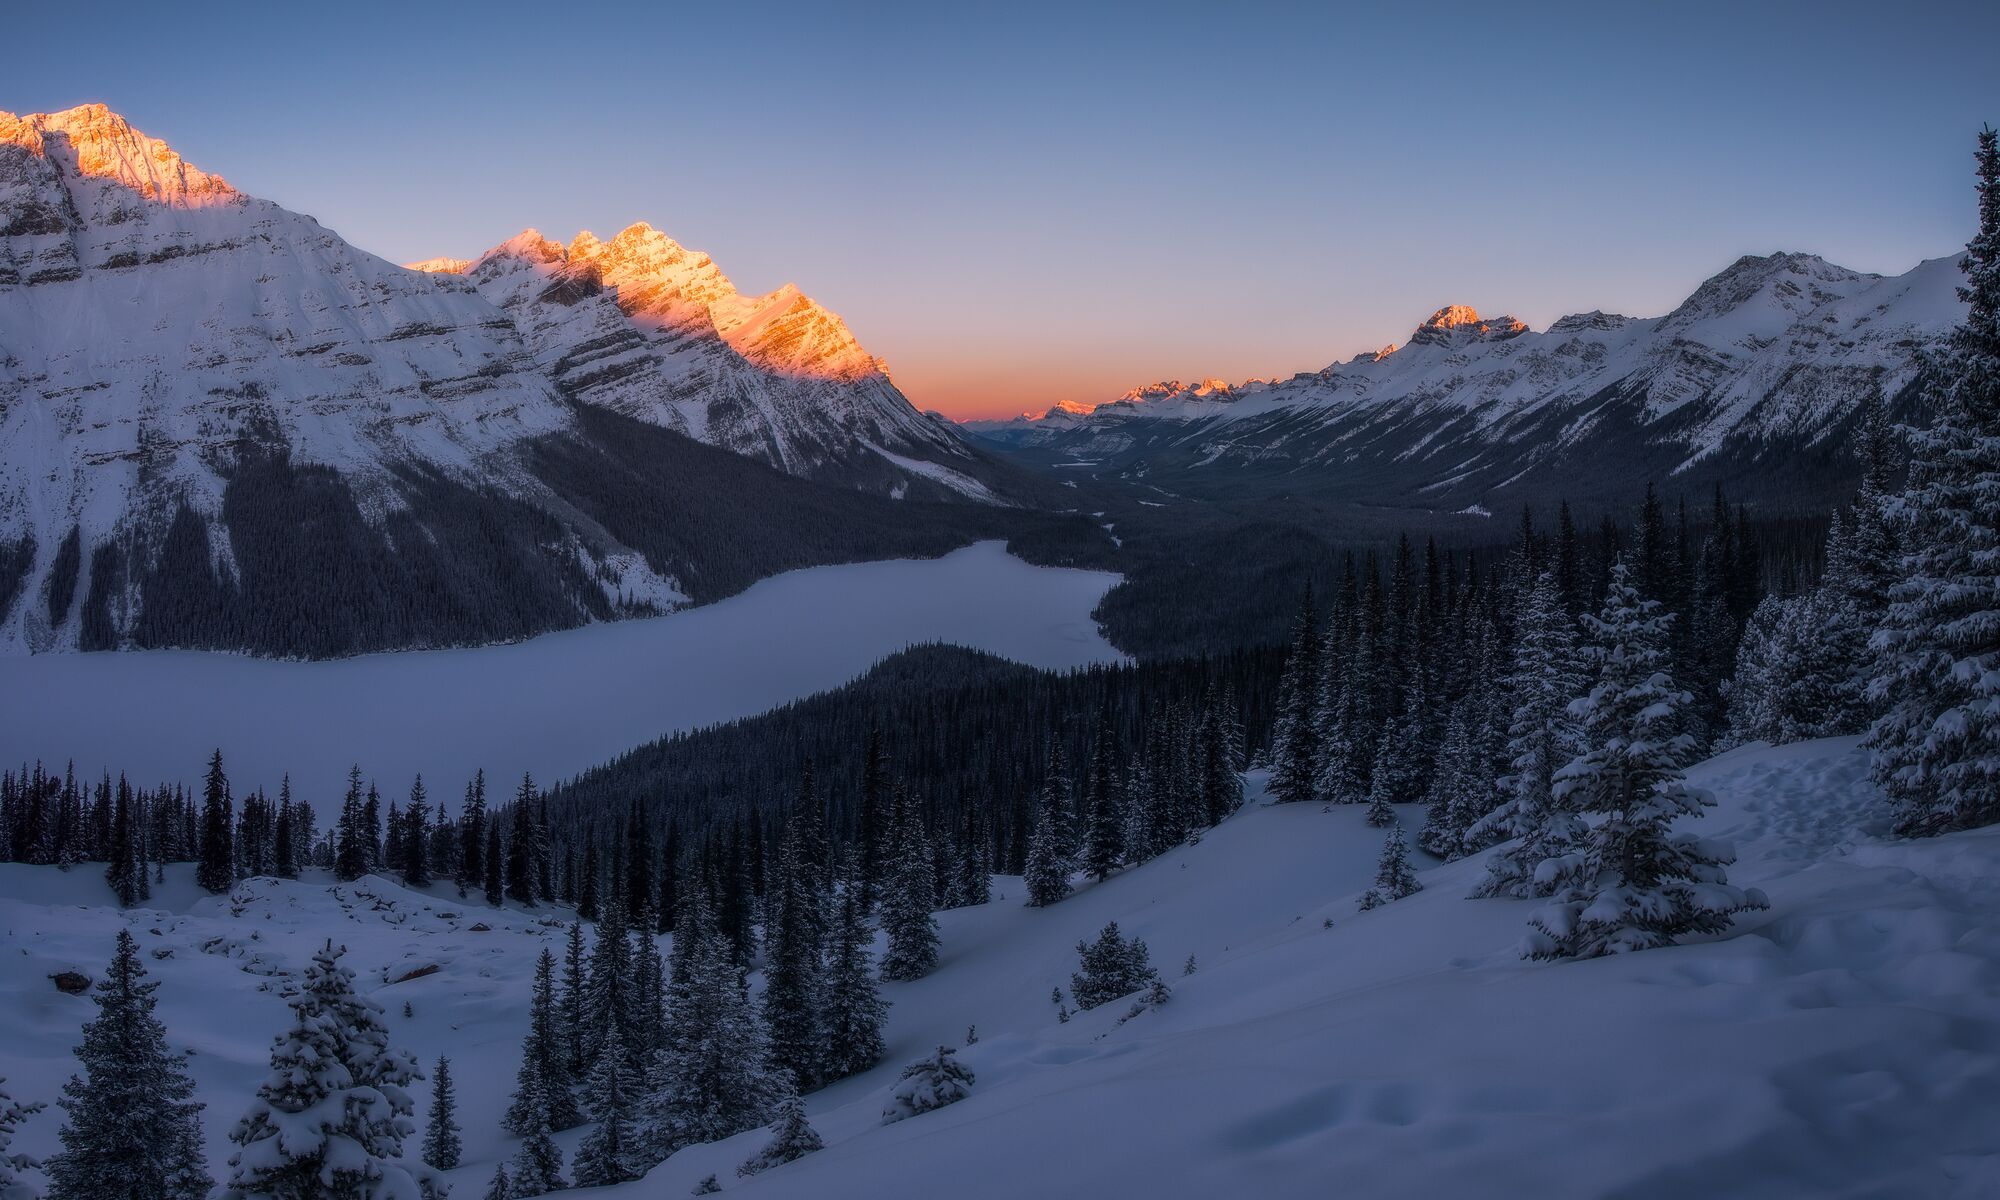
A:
<point x="541" y="1085"/>
<point x="329" y="1121"/>
<point x="1631" y="883"/>
<point x="537" y="1164"/>
<point x="1342" y="776"/>
<point x="1809" y="669"/>
<point x="1295" y="751"/>
<point x="1866" y="565"/>
<point x="501" y="1187"/>
<point x="12" y="1113"/>
<point x="1383" y="779"/>
<point x="1403" y="756"/>
<point x="1458" y="787"/>
<point x="471" y="872"/>
<point x="927" y="1084"/>
<point x="714" y="1080"/>
<point x="793" y="974"/>
<point x="792" y="1136"/>
<point x="1847" y="604"/>
<point x="1542" y="737"/>
<point x="132" y="1127"/>
<point x="216" y="871"/>
<point x="1104" y="843"/>
<point x="1049" y="860"/>
<point x="1748" y="696"/>
<point x="1492" y="715"/>
<point x="611" y="1152"/>
<point x="350" y="858"/>
<point x="124" y="871"/>
<point x="523" y="866"/>
<point x="1112" y="966"/>
<point x="285" y="835"/>
<point x="1220" y="786"/>
<point x="442" y="1147"/>
<point x="908" y="897"/>
<point x="416" y="828"/>
<point x="851" y="1019"/>
<point x="646" y="1013"/>
<point x="1135" y="812"/>
<point x="496" y="863"/>
<point x="574" y="1006"/>
<point x="1937" y="744"/>
<point x="607" y="999"/>
<point x="1393" y="877"/>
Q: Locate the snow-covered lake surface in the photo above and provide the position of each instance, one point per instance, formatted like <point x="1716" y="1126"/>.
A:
<point x="553" y="705"/>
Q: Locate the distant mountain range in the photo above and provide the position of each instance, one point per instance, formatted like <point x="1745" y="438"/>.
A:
<point x="221" y="424"/>
<point x="1751" y="382"/>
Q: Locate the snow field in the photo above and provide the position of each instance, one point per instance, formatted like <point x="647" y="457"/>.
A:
<point x="1846" y="1042"/>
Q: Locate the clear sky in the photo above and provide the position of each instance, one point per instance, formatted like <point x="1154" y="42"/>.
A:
<point x="1016" y="204"/>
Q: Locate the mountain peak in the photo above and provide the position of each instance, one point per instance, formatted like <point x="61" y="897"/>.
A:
<point x="439" y="266"/>
<point x="1768" y="290"/>
<point x="1457" y="323"/>
<point x="95" y="141"/>
<point x="530" y="245"/>
<point x="1451" y="316"/>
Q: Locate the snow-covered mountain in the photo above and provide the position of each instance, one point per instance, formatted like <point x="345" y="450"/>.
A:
<point x="221" y="424"/>
<point x="1763" y="364"/>
<point x="642" y="326"/>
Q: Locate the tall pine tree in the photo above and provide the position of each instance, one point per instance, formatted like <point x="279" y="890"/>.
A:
<point x="133" y="1128"/>
<point x="216" y="871"/>
<point x="1937" y="745"/>
<point x="1632" y="883"/>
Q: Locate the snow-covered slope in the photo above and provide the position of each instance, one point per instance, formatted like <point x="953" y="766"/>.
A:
<point x="1844" y="1043"/>
<point x="1765" y="361"/>
<point x="191" y="376"/>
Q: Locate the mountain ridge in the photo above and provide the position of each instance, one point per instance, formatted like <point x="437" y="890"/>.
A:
<point x="191" y="375"/>
<point x="1766" y="360"/>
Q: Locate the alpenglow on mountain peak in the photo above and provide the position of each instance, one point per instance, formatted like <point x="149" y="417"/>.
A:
<point x="100" y="143"/>
<point x="663" y="284"/>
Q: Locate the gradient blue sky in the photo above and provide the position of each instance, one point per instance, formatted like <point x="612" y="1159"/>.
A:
<point x="1018" y="204"/>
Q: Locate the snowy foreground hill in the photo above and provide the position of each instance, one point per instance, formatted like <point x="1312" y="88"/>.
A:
<point x="1846" y="1042"/>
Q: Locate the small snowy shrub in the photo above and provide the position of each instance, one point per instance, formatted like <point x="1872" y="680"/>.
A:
<point x="1112" y="967"/>
<point x="928" y="1083"/>
<point x="792" y="1136"/>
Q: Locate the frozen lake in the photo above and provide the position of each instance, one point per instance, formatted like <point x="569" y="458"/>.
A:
<point x="553" y="705"/>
